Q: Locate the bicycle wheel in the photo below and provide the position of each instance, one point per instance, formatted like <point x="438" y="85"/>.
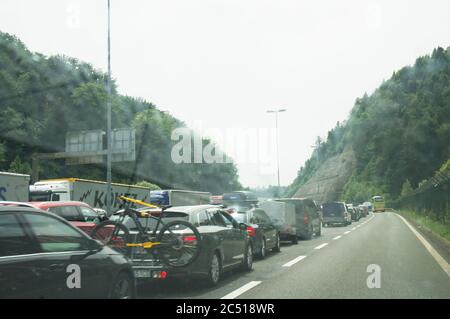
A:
<point x="180" y="243"/>
<point x="112" y="234"/>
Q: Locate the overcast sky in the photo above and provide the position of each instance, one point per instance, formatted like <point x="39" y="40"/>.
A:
<point x="222" y="63"/>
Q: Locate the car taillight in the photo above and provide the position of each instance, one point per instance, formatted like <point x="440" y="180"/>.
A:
<point x="251" y="231"/>
<point x="190" y="239"/>
<point x="118" y="242"/>
<point x="305" y="218"/>
<point x="159" y="274"/>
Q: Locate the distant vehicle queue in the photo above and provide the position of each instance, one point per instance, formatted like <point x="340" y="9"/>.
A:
<point x="230" y="230"/>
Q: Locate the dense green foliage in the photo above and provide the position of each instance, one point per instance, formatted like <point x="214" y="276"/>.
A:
<point x="400" y="133"/>
<point x="430" y="199"/>
<point x="148" y="185"/>
<point x="42" y="98"/>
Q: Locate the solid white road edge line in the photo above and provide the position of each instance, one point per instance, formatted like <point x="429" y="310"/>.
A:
<point x="337" y="237"/>
<point x="441" y="261"/>
<point x="321" y="246"/>
<point x="241" y="290"/>
<point x="293" y="261"/>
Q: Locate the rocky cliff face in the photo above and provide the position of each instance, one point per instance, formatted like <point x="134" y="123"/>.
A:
<point x="327" y="183"/>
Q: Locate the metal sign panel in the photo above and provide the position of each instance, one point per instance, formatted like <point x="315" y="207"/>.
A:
<point x="86" y="147"/>
<point x="79" y="143"/>
<point x="84" y="141"/>
<point x="123" y="145"/>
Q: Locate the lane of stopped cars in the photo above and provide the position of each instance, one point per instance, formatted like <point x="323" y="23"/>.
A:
<point x="244" y="244"/>
<point x="228" y="244"/>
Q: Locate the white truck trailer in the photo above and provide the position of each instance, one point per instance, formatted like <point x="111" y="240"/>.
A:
<point x="14" y="187"/>
<point x="83" y="190"/>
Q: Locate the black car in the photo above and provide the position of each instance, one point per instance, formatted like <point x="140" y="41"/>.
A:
<point x="262" y="231"/>
<point x="225" y="246"/>
<point x="43" y="256"/>
<point x="308" y="217"/>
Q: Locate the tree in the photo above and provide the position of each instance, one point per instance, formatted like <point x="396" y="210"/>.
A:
<point x="42" y="98"/>
<point x="148" y="185"/>
<point x="2" y="154"/>
<point x="17" y="166"/>
<point x="406" y="188"/>
<point x="400" y="134"/>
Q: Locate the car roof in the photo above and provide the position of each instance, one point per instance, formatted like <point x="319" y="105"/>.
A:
<point x="189" y="209"/>
<point x="12" y="208"/>
<point x="16" y="204"/>
<point x="45" y="205"/>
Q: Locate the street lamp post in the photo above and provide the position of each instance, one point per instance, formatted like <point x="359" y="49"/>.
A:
<point x="108" y="121"/>
<point x="276" y="130"/>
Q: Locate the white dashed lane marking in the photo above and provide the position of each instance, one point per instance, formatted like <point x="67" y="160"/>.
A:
<point x="241" y="290"/>
<point x="321" y="246"/>
<point x="293" y="261"/>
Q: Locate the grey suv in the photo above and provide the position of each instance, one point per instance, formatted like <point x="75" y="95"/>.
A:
<point x="335" y="213"/>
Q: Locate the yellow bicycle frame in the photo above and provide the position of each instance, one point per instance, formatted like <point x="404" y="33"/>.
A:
<point x="149" y="244"/>
<point x="146" y="245"/>
<point x="137" y="201"/>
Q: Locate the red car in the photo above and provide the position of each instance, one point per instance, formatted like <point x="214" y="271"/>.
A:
<point x="79" y="214"/>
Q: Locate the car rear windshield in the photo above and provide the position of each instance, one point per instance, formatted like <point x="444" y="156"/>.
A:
<point x="69" y="213"/>
<point x="299" y="206"/>
<point x="332" y="208"/>
<point x="240" y="217"/>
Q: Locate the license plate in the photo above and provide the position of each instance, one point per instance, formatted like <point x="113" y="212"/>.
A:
<point x="142" y="273"/>
<point x="139" y="251"/>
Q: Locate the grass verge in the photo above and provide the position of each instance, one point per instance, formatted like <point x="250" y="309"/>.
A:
<point x="434" y="226"/>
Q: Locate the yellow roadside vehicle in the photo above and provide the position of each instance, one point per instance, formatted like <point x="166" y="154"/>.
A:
<point x="378" y="204"/>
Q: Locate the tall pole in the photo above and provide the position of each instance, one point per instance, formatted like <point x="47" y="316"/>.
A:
<point x="108" y="121"/>
<point x="278" y="155"/>
<point x="277" y="147"/>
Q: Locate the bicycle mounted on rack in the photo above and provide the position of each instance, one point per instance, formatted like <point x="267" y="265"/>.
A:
<point x="176" y="243"/>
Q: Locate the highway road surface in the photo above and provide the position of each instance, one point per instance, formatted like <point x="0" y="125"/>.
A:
<point x="381" y="256"/>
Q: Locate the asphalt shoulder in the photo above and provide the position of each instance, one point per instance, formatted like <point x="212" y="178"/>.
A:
<point x="439" y="244"/>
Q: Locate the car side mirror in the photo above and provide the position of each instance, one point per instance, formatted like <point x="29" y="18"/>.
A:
<point x="243" y="226"/>
<point x="92" y="246"/>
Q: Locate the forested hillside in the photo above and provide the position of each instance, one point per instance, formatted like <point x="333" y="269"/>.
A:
<point x="42" y="98"/>
<point x="400" y="134"/>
